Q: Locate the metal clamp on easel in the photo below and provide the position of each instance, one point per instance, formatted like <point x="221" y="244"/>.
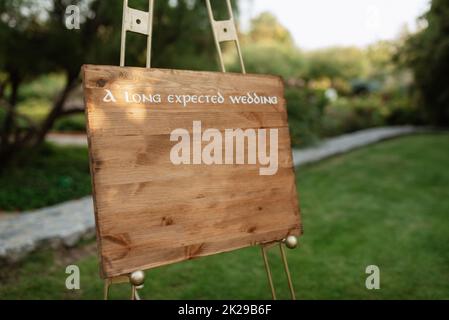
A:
<point x="224" y="31"/>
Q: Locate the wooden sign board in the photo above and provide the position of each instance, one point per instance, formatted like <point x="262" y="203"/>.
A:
<point x="186" y="164"/>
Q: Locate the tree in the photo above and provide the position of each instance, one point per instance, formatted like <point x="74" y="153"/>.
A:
<point x="269" y="58"/>
<point x="268" y="47"/>
<point x="338" y="63"/>
<point x="380" y="56"/>
<point x="266" y="28"/>
<point x="35" y="41"/>
<point x="427" y="54"/>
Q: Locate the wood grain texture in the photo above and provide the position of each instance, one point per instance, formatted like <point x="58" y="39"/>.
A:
<point x="150" y="212"/>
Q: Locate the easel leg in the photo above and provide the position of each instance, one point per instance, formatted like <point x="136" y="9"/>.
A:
<point x="136" y="280"/>
<point x="133" y="293"/>
<point x="287" y="271"/>
<point x="290" y="242"/>
<point x="106" y="289"/>
<point x="268" y="270"/>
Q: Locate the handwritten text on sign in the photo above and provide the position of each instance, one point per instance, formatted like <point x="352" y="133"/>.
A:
<point x="189" y="148"/>
<point x="186" y="99"/>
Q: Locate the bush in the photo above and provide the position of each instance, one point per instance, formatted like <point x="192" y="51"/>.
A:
<point x="352" y="114"/>
<point x="348" y="114"/>
<point x="305" y="111"/>
<point x="45" y="87"/>
<point x="266" y="58"/>
<point x="76" y="122"/>
<point x="43" y="177"/>
<point x="404" y="111"/>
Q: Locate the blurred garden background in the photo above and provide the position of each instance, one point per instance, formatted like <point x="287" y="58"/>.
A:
<point x="386" y="204"/>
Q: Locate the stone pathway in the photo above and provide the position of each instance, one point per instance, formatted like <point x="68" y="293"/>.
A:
<point x="62" y="224"/>
<point x="67" y="223"/>
<point x="67" y="139"/>
<point x="347" y="142"/>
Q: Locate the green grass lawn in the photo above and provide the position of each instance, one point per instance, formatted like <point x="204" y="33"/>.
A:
<point x="45" y="177"/>
<point x="386" y="205"/>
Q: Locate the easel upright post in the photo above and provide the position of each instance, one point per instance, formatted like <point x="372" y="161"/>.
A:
<point x="225" y="30"/>
<point x="139" y="22"/>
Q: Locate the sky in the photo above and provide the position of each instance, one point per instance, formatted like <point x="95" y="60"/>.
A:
<point x="318" y="24"/>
